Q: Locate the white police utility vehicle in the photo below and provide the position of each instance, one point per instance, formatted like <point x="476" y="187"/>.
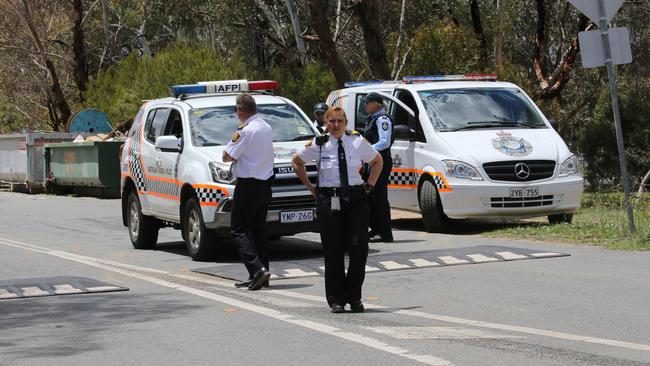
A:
<point x="467" y="146"/>
<point x="171" y="168"/>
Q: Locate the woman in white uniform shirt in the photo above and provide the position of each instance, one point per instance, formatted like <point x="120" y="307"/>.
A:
<point x="342" y="205"/>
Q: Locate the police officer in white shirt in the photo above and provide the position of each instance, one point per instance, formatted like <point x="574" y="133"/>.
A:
<point x="251" y="151"/>
<point x="342" y="205"/>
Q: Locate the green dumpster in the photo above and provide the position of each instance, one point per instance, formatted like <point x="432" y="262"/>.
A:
<point x="87" y="168"/>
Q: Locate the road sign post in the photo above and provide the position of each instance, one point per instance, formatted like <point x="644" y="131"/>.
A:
<point x="601" y="12"/>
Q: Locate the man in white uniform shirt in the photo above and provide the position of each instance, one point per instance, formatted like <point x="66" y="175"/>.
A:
<point x="251" y="151"/>
<point x="341" y="205"/>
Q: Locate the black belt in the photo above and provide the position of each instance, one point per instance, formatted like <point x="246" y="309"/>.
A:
<point x="337" y="190"/>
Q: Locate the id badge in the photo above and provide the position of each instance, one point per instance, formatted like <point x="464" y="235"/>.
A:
<point x="336" y="203"/>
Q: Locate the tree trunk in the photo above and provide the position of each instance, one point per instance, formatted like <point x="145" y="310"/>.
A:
<point x="478" y="30"/>
<point x="80" y="69"/>
<point x="295" y="21"/>
<point x="318" y="15"/>
<point x="61" y="108"/>
<point x="500" y="34"/>
<point x="368" y="13"/>
<point x="552" y="85"/>
<point x="644" y="182"/>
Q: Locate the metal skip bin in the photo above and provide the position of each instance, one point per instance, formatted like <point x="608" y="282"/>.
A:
<point x="21" y="158"/>
<point x="91" y="168"/>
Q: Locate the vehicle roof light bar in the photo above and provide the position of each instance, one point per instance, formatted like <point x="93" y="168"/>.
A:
<point x="464" y="77"/>
<point x="350" y="84"/>
<point x="224" y="86"/>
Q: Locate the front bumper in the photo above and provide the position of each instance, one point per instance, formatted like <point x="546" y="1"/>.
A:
<point x="219" y="218"/>
<point x="487" y="199"/>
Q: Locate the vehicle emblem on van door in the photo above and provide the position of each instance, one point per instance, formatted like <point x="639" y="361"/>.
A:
<point x="397" y="161"/>
<point x="522" y="171"/>
<point x="512" y="146"/>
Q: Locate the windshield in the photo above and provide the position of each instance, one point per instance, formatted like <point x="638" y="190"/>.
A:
<point x="214" y="126"/>
<point x="463" y="109"/>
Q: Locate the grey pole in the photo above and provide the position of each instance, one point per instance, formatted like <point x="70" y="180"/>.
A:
<point x="604" y="28"/>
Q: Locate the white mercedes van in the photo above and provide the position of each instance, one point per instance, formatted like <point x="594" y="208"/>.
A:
<point x="467" y="146"/>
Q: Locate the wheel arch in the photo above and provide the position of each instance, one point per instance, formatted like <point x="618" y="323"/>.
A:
<point x="187" y="192"/>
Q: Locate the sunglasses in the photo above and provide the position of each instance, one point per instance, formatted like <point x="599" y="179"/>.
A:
<point x="236" y="108"/>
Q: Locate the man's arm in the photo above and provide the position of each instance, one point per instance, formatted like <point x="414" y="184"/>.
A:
<point x="375" y="169"/>
<point x="384" y="128"/>
<point x="226" y="158"/>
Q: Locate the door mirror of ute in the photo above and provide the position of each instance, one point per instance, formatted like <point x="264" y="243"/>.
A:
<point x="168" y="144"/>
<point x="403" y="132"/>
<point x="553" y="123"/>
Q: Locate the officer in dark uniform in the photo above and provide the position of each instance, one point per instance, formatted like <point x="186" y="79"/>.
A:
<point x="379" y="132"/>
<point x="319" y="116"/>
<point x="341" y="205"/>
<point x="251" y="151"/>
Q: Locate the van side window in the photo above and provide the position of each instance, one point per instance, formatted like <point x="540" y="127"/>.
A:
<point x="403" y="117"/>
<point x="155" y="127"/>
<point x="174" y="125"/>
<point x="360" y="116"/>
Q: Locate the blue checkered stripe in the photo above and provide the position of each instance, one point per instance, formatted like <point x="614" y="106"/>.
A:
<point x="134" y="163"/>
<point x="402" y="178"/>
<point x="209" y="195"/>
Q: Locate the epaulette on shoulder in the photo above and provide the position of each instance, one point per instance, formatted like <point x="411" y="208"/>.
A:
<point x="240" y="127"/>
<point x="309" y="143"/>
<point x="352" y="133"/>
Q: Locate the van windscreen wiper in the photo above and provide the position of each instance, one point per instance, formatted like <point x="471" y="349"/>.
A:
<point x="492" y="124"/>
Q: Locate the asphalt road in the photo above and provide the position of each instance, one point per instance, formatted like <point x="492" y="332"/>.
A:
<point x="589" y="308"/>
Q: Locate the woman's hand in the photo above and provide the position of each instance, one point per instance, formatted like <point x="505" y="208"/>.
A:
<point x="313" y="190"/>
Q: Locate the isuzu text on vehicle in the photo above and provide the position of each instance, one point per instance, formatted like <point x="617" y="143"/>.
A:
<point x="467" y="146"/>
<point x="172" y="174"/>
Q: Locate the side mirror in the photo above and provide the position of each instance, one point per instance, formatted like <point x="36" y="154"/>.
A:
<point x="403" y="132"/>
<point x="553" y="123"/>
<point x="168" y="144"/>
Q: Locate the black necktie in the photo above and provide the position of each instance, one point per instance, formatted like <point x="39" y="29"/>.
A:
<point x="343" y="165"/>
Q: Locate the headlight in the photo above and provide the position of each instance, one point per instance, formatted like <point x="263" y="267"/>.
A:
<point x="458" y="169"/>
<point x="570" y="166"/>
<point x="221" y="172"/>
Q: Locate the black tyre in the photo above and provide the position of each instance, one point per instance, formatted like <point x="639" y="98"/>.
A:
<point x="201" y="242"/>
<point x="143" y="230"/>
<point x="560" y="219"/>
<point x="274" y="237"/>
<point x="435" y="220"/>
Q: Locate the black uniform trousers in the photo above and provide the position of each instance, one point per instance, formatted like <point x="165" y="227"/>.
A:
<point x="248" y="222"/>
<point x="380" y="221"/>
<point x="343" y="230"/>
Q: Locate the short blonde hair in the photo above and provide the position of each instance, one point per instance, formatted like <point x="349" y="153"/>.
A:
<point x="331" y="110"/>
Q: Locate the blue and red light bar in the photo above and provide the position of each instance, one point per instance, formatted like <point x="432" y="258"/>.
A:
<point x="350" y="84"/>
<point x="464" y="77"/>
<point x="225" y="86"/>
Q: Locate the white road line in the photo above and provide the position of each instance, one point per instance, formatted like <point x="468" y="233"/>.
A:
<point x="439" y="333"/>
<point x="480" y="258"/>
<point x="509" y="256"/>
<point x="393" y="265"/>
<point x="296" y="272"/>
<point x="33" y="291"/>
<point x="452" y="260"/>
<point x="4" y="294"/>
<point x="413" y="313"/>
<point x="271" y="313"/>
<point x="548" y="254"/>
<point x="66" y="289"/>
<point x="419" y="262"/>
<point x="372" y="269"/>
